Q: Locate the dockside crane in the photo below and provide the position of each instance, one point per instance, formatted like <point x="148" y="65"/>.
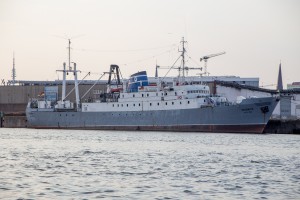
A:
<point x="205" y="58"/>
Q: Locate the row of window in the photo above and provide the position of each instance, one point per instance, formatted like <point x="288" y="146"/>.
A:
<point x="162" y="94"/>
<point x="198" y="91"/>
<point x="166" y="103"/>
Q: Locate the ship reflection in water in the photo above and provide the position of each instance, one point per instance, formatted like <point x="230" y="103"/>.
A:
<point x="66" y="164"/>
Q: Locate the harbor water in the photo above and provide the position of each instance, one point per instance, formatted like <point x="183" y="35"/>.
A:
<point x="81" y="164"/>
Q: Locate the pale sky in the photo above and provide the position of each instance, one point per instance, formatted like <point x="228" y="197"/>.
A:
<point x="136" y="34"/>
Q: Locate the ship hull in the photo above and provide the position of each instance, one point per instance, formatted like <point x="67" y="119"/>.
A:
<point x="247" y="117"/>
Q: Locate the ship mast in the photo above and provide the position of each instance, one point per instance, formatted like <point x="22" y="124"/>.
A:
<point x="69" y="48"/>
<point x="183" y="58"/>
<point x="65" y="72"/>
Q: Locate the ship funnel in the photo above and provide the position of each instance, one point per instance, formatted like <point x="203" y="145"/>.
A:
<point x="137" y="80"/>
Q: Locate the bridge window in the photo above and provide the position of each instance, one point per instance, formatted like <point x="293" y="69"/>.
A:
<point x="147" y="95"/>
<point x="188" y="102"/>
<point x="142" y="95"/>
<point x="150" y="104"/>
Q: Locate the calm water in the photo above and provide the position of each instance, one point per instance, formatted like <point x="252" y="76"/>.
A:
<point x="64" y="164"/>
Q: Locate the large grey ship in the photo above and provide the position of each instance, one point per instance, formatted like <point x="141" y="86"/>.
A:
<point x="135" y="104"/>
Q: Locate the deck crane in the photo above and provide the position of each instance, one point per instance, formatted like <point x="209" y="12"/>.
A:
<point x="205" y="58"/>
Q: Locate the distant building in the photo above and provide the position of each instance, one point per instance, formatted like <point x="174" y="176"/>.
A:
<point x="254" y="82"/>
<point x="294" y="85"/>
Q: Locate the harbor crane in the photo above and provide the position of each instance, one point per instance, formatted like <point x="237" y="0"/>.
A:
<point x="205" y="58"/>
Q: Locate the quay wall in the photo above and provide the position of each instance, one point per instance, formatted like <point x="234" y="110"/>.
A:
<point x="14" y="122"/>
<point x="281" y="126"/>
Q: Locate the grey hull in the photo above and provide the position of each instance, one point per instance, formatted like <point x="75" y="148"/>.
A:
<point x="249" y="116"/>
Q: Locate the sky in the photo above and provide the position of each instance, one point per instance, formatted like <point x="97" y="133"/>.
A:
<point x="138" y="34"/>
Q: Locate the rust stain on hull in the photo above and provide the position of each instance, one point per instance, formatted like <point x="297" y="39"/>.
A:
<point x="255" y="128"/>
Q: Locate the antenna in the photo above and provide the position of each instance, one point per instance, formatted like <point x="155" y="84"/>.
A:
<point x="182" y="55"/>
<point x="69" y="46"/>
<point x="13" y="75"/>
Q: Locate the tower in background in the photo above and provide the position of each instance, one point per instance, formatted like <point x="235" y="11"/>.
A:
<point x="13" y="74"/>
<point x="279" y="81"/>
